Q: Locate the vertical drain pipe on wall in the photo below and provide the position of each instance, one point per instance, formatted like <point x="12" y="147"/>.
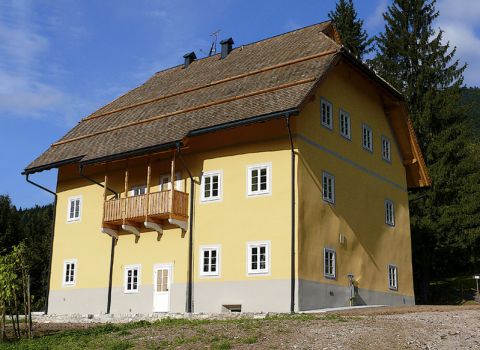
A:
<point x="292" y="254"/>
<point x="51" y="237"/>
<point x="112" y="249"/>
<point x="190" y="235"/>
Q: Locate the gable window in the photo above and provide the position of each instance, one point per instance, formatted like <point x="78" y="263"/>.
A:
<point x="166" y="184"/>
<point x="328" y="187"/>
<point x="345" y="124"/>
<point x="392" y="277"/>
<point x="211" y="186"/>
<point x="132" y="278"/>
<point x="138" y="190"/>
<point x="326" y="113"/>
<point x="329" y="262"/>
<point x="74" y="208"/>
<point x="386" y="152"/>
<point x="259" y="179"/>
<point x="210" y="261"/>
<point x="258" y="259"/>
<point x="367" y="138"/>
<point x="389" y="213"/>
<point x="69" y="272"/>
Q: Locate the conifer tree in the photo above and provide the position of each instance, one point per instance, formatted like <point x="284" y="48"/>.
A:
<point x="445" y="219"/>
<point x="350" y="28"/>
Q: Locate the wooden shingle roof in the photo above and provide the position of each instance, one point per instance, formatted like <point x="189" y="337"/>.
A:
<point x="261" y="78"/>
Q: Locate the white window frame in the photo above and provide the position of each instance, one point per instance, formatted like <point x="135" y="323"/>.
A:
<point x="386" y="149"/>
<point x="370" y="133"/>
<point x="178" y="181"/>
<point x="217" y="198"/>
<point x="326" y="273"/>
<point x="259" y="192"/>
<point x="125" y="278"/>
<point x="210" y="248"/>
<point x="389" y="216"/>
<point x="258" y="271"/>
<point x="392" y="280"/>
<point x="64" y="275"/>
<point x="329" y="123"/>
<point x="344" y="119"/>
<point x="131" y="193"/>
<point x="325" y="177"/>
<point x="80" y="202"/>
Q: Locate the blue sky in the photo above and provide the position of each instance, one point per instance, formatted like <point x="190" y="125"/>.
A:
<point x="61" y="60"/>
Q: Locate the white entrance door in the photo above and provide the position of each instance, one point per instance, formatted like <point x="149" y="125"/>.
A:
<point x="162" y="276"/>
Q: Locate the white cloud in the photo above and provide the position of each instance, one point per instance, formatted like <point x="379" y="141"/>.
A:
<point x="375" y="20"/>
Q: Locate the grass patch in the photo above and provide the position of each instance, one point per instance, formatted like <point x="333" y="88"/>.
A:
<point x="250" y="340"/>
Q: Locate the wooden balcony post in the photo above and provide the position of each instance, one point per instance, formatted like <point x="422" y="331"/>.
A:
<point x="172" y="182"/>
<point x="104" y="195"/>
<point x="147" y="201"/>
<point x="126" y="193"/>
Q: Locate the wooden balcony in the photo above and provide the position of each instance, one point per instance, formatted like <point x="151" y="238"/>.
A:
<point x="133" y="210"/>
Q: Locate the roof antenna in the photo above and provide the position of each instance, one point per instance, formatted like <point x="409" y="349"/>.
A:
<point x="213" y="48"/>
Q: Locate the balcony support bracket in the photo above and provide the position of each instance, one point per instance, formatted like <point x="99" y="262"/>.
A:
<point x="131" y="229"/>
<point x="111" y="232"/>
<point x="179" y="223"/>
<point x="153" y="226"/>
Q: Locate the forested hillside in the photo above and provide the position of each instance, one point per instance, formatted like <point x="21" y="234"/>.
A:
<point x="471" y="101"/>
<point x="33" y="227"/>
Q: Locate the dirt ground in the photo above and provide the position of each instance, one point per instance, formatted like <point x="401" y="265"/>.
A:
<point x="419" y="327"/>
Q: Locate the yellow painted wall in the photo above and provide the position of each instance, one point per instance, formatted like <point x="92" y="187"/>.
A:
<point x="358" y="212"/>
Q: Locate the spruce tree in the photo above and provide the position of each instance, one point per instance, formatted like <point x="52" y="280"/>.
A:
<point x="350" y="28"/>
<point x="445" y="220"/>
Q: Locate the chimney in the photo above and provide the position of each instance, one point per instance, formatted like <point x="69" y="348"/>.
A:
<point x="226" y="47"/>
<point x="189" y="58"/>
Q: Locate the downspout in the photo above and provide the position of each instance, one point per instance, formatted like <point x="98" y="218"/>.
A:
<point x="292" y="254"/>
<point x="190" y="236"/>
<point x="112" y="248"/>
<point x="51" y="237"/>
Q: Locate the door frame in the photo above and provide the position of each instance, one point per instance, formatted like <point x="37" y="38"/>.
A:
<point x="170" y="281"/>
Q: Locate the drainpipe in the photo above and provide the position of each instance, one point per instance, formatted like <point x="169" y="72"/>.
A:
<point x="292" y="254"/>
<point x="112" y="248"/>
<point x="51" y="237"/>
<point x="190" y="236"/>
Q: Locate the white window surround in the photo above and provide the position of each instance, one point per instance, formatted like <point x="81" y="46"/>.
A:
<point x="251" y="246"/>
<point x="132" y="268"/>
<point x="210" y="248"/>
<point x="165" y="180"/>
<point x="328" y="187"/>
<point x="367" y="138"/>
<point x="389" y="212"/>
<point x="259" y="168"/>
<point x="74" y="213"/>
<point x="211" y="197"/>
<point x="72" y="276"/>
<point x="392" y="277"/>
<point x="326" y="113"/>
<point x="345" y="124"/>
<point x="386" y="149"/>
<point x="329" y="263"/>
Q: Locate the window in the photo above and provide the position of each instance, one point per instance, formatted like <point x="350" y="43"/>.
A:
<point x="210" y="261"/>
<point x="165" y="183"/>
<point x="345" y="124"/>
<point x="389" y="213"/>
<point x="211" y="186"/>
<point x="392" y="277"/>
<point x="138" y="190"/>
<point x="326" y="113"/>
<point x="386" y="153"/>
<point x="69" y="272"/>
<point x="74" y="208"/>
<point x="329" y="262"/>
<point x="132" y="278"/>
<point x="367" y="138"/>
<point x="328" y="187"/>
<point x="258" y="259"/>
<point x="259" y="179"/>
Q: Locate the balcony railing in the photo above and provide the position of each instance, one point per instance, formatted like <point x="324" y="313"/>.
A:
<point x="160" y="206"/>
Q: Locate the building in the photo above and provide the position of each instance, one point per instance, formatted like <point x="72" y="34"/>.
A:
<point x="290" y="162"/>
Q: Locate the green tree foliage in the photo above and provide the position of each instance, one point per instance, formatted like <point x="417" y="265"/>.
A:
<point x="471" y="101"/>
<point x="350" y="28"/>
<point x="446" y="218"/>
<point x="31" y="227"/>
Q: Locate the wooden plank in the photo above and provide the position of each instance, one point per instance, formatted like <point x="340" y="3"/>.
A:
<point x="147" y="204"/>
